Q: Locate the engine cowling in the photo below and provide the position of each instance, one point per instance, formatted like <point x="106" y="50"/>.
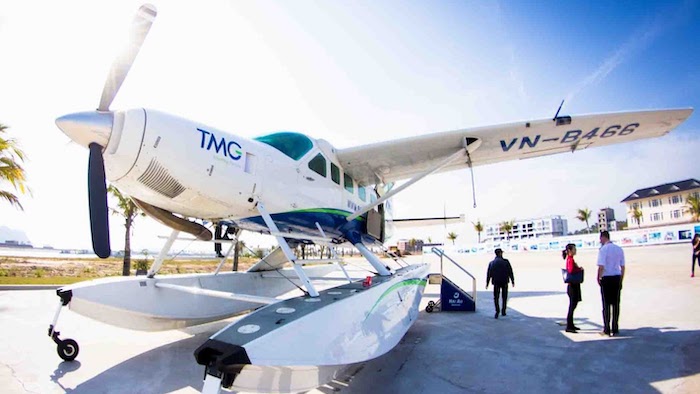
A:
<point x="181" y="166"/>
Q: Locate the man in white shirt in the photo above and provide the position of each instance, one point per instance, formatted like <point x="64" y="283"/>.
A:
<point x="611" y="272"/>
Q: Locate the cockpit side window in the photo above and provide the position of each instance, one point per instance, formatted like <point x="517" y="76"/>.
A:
<point x="294" y="145"/>
<point x="335" y="173"/>
<point x="318" y="165"/>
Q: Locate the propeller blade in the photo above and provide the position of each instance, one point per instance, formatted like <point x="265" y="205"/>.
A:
<point x="97" y="193"/>
<point x="120" y="68"/>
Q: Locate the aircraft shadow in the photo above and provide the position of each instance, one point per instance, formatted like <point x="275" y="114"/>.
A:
<point x="164" y="369"/>
<point x="457" y="352"/>
<point x="488" y="294"/>
<point x="161" y="370"/>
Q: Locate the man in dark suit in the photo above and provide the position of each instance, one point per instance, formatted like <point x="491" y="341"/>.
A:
<point x="499" y="272"/>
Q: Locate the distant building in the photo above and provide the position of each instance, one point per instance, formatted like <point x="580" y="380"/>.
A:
<point x="410" y="246"/>
<point x="546" y="227"/>
<point x="606" y="220"/>
<point x="662" y="204"/>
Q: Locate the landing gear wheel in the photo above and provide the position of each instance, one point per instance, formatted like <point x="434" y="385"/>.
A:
<point x="68" y="349"/>
<point x="430" y="307"/>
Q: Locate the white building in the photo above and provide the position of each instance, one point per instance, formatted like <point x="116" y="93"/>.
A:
<point x="551" y="226"/>
<point x="662" y="204"/>
<point x="606" y="220"/>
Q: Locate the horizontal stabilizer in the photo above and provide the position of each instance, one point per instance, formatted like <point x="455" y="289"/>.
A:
<point x="422" y="222"/>
<point x="273" y="261"/>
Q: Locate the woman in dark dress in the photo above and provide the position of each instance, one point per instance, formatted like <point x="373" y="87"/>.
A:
<point x="573" y="289"/>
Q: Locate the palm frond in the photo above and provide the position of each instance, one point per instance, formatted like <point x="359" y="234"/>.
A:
<point x="11" y="198"/>
<point x="693" y="206"/>
<point x="10" y="169"/>
<point x="125" y="205"/>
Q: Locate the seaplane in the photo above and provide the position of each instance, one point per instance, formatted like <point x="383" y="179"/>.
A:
<point x="296" y="335"/>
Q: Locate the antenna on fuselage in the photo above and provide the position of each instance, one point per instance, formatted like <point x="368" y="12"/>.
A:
<point x="557" y="114"/>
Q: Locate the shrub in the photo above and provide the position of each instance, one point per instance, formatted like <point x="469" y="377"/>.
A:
<point x="142" y="265"/>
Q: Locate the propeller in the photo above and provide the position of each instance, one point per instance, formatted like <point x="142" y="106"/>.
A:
<point x="92" y="129"/>
<point x="120" y="68"/>
<point x="97" y="193"/>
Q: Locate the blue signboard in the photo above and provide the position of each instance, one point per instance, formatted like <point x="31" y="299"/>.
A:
<point x="454" y="299"/>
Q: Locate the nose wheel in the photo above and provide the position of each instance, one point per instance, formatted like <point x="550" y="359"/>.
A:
<point x="67" y="349"/>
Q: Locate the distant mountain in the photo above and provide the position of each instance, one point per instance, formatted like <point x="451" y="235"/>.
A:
<point x="8" y="234"/>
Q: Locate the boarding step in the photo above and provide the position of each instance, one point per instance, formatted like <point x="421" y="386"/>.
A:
<point x="452" y="297"/>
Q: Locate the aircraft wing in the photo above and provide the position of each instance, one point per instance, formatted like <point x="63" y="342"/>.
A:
<point x="391" y="161"/>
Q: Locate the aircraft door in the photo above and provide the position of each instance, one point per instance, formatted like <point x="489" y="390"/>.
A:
<point x="253" y="166"/>
<point x="376" y="223"/>
<point x="315" y="187"/>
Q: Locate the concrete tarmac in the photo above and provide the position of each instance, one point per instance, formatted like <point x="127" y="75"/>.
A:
<point x="526" y="351"/>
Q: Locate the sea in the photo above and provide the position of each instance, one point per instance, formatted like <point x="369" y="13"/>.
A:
<point x="88" y="254"/>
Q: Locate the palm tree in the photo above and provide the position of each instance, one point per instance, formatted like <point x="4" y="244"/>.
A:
<point x="128" y="210"/>
<point x="479" y="228"/>
<point x="637" y="216"/>
<point x="507" y="227"/>
<point x="412" y="244"/>
<point x="693" y="206"/>
<point x="11" y="156"/>
<point x="301" y="251"/>
<point x="584" y="215"/>
<point x="452" y="236"/>
<point x="240" y="244"/>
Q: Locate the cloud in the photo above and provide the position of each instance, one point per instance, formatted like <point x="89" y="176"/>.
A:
<point x="637" y="42"/>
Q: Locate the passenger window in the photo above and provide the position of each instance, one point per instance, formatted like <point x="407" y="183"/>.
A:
<point x="349" y="184"/>
<point x="318" y="165"/>
<point x="335" y="173"/>
<point x="362" y="193"/>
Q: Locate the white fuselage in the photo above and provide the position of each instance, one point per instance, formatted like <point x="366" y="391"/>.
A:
<point x="199" y="171"/>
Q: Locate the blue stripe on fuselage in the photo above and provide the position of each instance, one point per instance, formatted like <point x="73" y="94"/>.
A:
<point x="333" y="222"/>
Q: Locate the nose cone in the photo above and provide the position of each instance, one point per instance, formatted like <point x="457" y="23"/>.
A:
<point x="87" y="127"/>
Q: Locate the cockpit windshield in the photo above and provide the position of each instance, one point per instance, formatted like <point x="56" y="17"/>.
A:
<point x="294" y="145"/>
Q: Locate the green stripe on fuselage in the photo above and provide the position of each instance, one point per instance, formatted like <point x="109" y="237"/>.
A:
<point x="407" y="282"/>
<point x="331" y="211"/>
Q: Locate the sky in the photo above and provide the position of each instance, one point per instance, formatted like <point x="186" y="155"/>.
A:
<point x="355" y="73"/>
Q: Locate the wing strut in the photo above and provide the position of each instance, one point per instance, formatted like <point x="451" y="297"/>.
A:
<point x="453" y="157"/>
<point x="471" y="170"/>
<point x="163" y="254"/>
<point x="287" y="251"/>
